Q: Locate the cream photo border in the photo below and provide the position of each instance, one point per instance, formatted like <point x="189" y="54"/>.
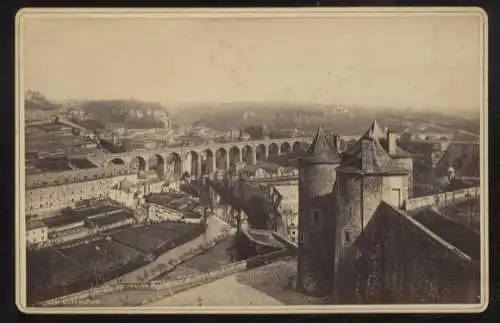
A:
<point x="20" y="254"/>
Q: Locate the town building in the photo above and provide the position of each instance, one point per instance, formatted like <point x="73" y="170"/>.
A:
<point x="177" y="207"/>
<point x="36" y="232"/>
<point x="267" y="170"/>
<point x="53" y="191"/>
<point x="356" y="240"/>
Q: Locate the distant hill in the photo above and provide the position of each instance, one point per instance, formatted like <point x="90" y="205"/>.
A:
<point x="136" y="114"/>
<point x="307" y="117"/>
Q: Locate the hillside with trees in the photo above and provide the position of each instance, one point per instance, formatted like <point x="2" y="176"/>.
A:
<point x="350" y="120"/>
<point x="135" y="114"/>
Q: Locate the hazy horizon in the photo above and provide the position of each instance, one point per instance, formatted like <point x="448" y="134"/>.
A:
<point x="417" y="62"/>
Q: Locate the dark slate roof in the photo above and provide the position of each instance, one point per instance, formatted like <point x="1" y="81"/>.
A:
<point x="375" y="132"/>
<point x="377" y="160"/>
<point x="398" y="219"/>
<point x="320" y="151"/>
<point x="34" y="224"/>
<point x="453" y="232"/>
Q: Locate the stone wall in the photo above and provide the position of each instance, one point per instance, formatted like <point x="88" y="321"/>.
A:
<point x="191" y="281"/>
<point x="316" y="226"/>
<point x="407" y="163"/>
<point x="441" y="199"/>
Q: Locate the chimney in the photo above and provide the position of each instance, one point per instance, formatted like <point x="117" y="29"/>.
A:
<point x="391" y="142"/>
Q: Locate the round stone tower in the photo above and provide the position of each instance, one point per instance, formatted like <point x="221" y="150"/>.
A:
<point x="366" y="177"/>
<point x="317" y="190"/>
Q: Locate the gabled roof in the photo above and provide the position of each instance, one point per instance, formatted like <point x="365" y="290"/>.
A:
<point x="320" y="151"/>
<point x="398" y="219"/>
<point x="368" y="157"/>
<point x="453" y="232"/>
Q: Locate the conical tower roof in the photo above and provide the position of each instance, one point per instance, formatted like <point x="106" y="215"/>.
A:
<point x="374" y="131"/>
<point x="320" y="150"/>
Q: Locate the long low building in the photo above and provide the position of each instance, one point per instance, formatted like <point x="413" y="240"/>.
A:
<point x="174" y="207"/>
<point x="76" y="223"/>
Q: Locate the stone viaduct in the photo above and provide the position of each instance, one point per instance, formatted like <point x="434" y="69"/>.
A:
<point x="205" y="159"/>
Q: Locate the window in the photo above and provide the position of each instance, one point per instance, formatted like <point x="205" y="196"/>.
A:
<point x="347" y="237"/>
<point x="316" y="218"/>
<point x="301" y="237"/>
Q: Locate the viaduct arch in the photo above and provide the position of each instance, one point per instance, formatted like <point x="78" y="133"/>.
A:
<point x="205" y="159"/>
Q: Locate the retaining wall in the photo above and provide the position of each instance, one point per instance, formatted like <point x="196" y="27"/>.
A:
<point x="441" y="199"/>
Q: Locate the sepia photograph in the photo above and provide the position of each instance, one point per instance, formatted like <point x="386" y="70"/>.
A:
<point x="251" y="160"/>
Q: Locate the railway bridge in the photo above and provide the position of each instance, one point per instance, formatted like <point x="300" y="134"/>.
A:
<point x="205" y="159"/>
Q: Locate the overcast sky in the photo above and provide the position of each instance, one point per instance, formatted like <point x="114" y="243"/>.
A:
<point x="417" y="61"/>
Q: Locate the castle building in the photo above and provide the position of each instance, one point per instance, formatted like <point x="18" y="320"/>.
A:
<point x="317" y="195"/>
<point x="358" y="244"/>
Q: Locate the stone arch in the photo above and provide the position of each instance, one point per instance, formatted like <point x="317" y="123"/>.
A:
<point x="261" y="152"/>
<point x="138" y="163"/>
<point x="248" y="154"/>
<point x="157" y="163"/>
<point x="193" y="165"/>
<point x="174" y="163"/>
<point x="221" y="158"/>
<point x="234" y="157"/>
<point x="274" y="149"/>
<point x="297" y="146"/>
<point x="207" y="162"/>
<point x="285" y="147"/>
